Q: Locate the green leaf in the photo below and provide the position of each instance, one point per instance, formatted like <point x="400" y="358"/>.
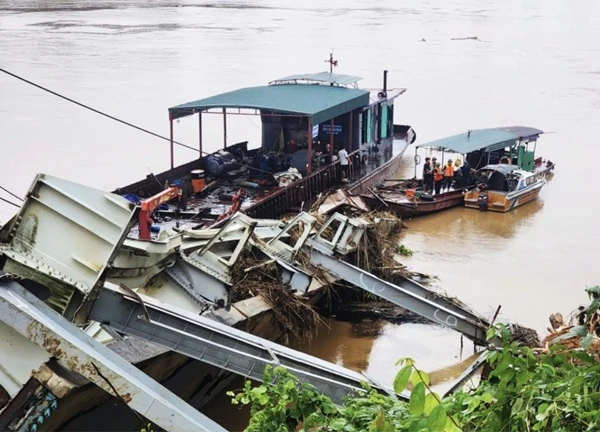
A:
<point x="542" y="412"/>
<point x="401" y="380"/>
<point x="262" y="389"/>
<point x="523" y="378"/>
<point x="592" y="308"/>
<point x="487" y="397"/>
<point x="418" y="376"/>
<point x="416" y="404"/>
<point x="430" y="403"/>
<point x="406" y="361"/>
<point x="418" y="425"/>
<point x="582" y="356"/>
<point x="593" y="291"/>
<point x="517" y="406"/>
<point x="338" y="424"/>
<point x="587" y="341"/>
<point x="378" y="423"/>
<point x="450" y="426"/>
<point x="436" y="421"/>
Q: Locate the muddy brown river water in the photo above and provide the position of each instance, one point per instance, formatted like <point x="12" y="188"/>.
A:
<point x="535" y="63"/>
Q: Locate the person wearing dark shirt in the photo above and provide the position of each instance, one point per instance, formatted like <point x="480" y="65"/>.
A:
<point x="466" y="174"/>
<point x="427" y="175"/>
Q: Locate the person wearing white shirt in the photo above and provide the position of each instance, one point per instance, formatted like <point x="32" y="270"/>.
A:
<point x="344" y="162"/>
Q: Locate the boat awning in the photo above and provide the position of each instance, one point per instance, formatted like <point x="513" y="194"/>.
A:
<point x="321" y="102"/>
<point x="503" y="169"/>
<point x="485" y="139"/>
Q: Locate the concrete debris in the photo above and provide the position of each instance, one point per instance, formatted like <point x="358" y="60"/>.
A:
<point x="333" y="200"/>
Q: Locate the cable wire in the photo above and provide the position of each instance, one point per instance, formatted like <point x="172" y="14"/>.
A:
<point x="10" y="202"/>
<point x="10" y="193"/>
<point x="154" y="134"/>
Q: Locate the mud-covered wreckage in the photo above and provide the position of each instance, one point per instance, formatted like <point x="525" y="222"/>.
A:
<point x="82" y="298"/>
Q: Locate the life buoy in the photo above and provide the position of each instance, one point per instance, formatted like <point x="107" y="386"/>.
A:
<point x="417" y="159"/>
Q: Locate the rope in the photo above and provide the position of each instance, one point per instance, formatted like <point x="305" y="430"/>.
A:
<point x="154" y="134"/>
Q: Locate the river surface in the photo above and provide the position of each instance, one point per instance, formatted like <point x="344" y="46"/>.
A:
<point x="534" y="63"/>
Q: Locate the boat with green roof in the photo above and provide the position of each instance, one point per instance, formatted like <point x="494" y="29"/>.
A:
<point x="495" y="169"/>
<point x="307" y="122"/>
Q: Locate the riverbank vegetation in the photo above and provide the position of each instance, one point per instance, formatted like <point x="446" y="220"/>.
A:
<point x="552" y="388"/>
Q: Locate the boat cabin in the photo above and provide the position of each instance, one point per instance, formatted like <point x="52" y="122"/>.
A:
<point x="306" y="119"/>
<point x="506" y="178"/>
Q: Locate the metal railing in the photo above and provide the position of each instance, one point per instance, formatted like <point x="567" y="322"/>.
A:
<point x="302" y="193"/>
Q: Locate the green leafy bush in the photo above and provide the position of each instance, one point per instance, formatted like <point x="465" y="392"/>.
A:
<point x="558" y="390"/>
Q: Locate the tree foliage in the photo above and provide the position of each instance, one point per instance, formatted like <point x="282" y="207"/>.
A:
<point x="557" y="390"/>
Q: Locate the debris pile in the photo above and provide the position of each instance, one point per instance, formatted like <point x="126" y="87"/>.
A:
<point x="254" y="277"/>
<point x="525" y="336"/>
<point x="581" y="329"/>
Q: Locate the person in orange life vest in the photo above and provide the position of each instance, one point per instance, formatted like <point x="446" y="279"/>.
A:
<point x="438" y="177"/>
<point x="448" y="174"/>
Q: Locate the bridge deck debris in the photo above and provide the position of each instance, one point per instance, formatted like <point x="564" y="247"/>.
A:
<point x="73" y="265"/>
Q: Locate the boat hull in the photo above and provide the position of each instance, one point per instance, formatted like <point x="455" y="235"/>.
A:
<point x="418" y="208"/>
<point x="502" y="203"/>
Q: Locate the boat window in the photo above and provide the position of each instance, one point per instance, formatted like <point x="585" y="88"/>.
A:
<point x="384" y="121"/>
<point x="513" y="181"/>
<point x="364" y="121"/>
<point x="369" y="125"/>
<point x="367" y="132"/>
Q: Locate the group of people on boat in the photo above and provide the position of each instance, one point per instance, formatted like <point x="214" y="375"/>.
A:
<point x="442" y="179"/>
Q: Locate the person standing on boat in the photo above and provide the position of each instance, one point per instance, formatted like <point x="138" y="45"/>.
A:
<point x="448" y="174"/>
<point x="344" y="162"/>
<point x="457" y="174"/>
<point x="465" y="174"/>
<point x="438" y="177"/>
<point x="427" y="176"/>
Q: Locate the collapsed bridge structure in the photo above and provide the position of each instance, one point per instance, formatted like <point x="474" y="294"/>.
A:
<point x="75" y="275"/>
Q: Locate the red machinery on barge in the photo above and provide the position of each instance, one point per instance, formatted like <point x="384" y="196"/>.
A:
<point x="306" y="120"/>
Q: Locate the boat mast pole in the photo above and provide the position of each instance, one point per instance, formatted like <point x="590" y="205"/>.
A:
<point x="171" y="142"/>
<point x="200" y="134"/>
<point x="415" y="160"/>
<point x="224" y="128"/>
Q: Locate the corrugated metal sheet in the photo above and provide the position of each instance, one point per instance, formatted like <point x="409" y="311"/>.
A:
<point x="320" y="102"/>
<point x="486" y="139"/>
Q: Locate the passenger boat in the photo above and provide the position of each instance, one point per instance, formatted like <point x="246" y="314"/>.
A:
<point x="499" y="164"/>
<point x="305" y="119"/>
<point x="504" y="187"/>
<point x="407" y="199"/>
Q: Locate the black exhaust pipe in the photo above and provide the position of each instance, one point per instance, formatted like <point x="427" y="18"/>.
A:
<point x="385" y="72"/>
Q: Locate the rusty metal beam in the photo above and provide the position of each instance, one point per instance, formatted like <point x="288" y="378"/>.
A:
<point x="78" y="352"/>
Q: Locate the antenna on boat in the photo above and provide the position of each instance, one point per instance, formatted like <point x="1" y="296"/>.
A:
<point x="331" y="61"/>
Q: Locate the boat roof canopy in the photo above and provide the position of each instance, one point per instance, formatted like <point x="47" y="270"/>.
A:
<point x="504" y="169"/>
<point x="485" y="139"/>
<point x="321" y="102"/>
